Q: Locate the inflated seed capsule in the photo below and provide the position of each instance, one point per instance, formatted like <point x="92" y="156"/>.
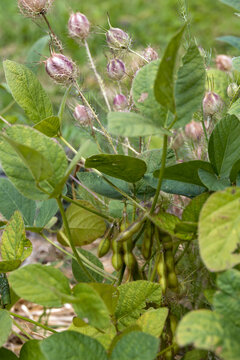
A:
<point x="61" y="68"/>
<point x="34" y="8"/>
<point x="150" y="54"/>
<point x="116" y="69"/>
<point x="78" y="26"/>
<point x="120" y="102"/>
<point x="212" y="103"/>
<point x="232" y="90"/>
<point x="83" y="115"/>
<point x="117" y="39"/>
<point x="104" y="247"/>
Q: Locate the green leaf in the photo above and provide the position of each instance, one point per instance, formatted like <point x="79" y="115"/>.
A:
<point x="45" y="211"/>
<point x="133" y="125"/>
<point x="49" y="126"/>
<point x="235" y="171"/>
<point x="5" y="326"/>
<point x="136" y="345"/>
<point x="78" y="272"/>
<point x="108" y="293"/>
<point x="75" y="345"/>
<point x="231" y="40"/>
<point x="233" y="3"/>
<point x="43" y="285"/>
<point x="224" y="145"/>
<point x="14" y="244"/>
<point x="196" y="355"/>
<point x="122" y="167"/>
<point x="9" y="265"/>
<point x="153" y="321"/>
<point x="190" y="86"/>
<point x="133" y="298"/>
<point x="192" y="210"/>
<point x="212" y="182"/>
<point x="221" y="82"/>
<point x="236" y="63"/>
<point x="90" y="306"/>
<point x="27" y="91"/>
<point x="85" y="226"/>
<point x="31" y="351"/>
<point x="164" y="83"/>
<point x="35" y="53"/>
<point x="16" y="169"/>
<point x="235" y="109"/>
<point x="219" y="226"/>
<point x="143" y="95"/>
<point x="12" y="200"/>
<point x="6" y="354"/>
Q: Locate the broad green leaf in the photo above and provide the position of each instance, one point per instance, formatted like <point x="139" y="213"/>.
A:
<point x="212" y="182"/>
<point x="5" y="326"/>
<point x="153" y="159"/>
<point x="85" y="226"/>
<point x="31" y="351"/>
<point x="35" y="53"/>
<point x="219" y="226"/>
<point x="133" y="125"/>
<point x="164" y="83"/>
<point x="9" y="265"/>
<point x="224" y="145"/>
<point x="122" y="167"/>
<point x="190" y="86"/>
<point x="27" y="91"/>
<point x="153" y="321"/>
<point x="12" y="200"/>
<point x="75" y="345"/>
<point x="6" y="354"/>
<point x="136" y="345"/>
<point x="192" y="210"/>
<point x="235" y="109"/>
<point x="49" y="126"/>
<point x="45" y="211"/>
<point x="14" y="244"/>
<point x="168" y="223"/>
<point x="231" y="40"/>
<point x="233" y="3"/>
<point x="43" y="285"/>
<point x="143" y="94"/>
<point x="226" y="301"/>
<point x="17" y="171"/>
<point x="90" y="306"/>
<point x="235" y="171"/>
<point x="108" y="293"/>
<point x="133" y="298"/>
<point x="236" y="63"/>
<point x="78" y="272"/>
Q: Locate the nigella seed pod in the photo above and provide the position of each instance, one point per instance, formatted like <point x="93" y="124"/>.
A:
<point x="224" y="62"/>
<point x="232" y="90"/>
<point x="194" y="130"/>
<point x="83" y="115"/>
<point x="34" y="8"/>
<point x="116" y="69"/>
<point x="78" y="26"/>
<point x="61" y="68"/>
<point x="212" y="103"/>
<point x="120" y="102"/>
<point x="150" y="54"/>
<point x="117" y="39"/>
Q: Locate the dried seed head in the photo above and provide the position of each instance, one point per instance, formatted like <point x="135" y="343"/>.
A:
<point x="120" y="102"/>
<point x="224" y="62"/>
<point x="117" y="39"/>
<point x="78" y="26"/>
<point x="212" y="103"/>
<point x="61" y="68"/>
<point x="232" y="90"/>
<point x="150" y="54"/>
<point x="34" y="8"/>
<point x="83" y="115"/>
<point x="194" y="130"/>
<point x="116" y="69"/>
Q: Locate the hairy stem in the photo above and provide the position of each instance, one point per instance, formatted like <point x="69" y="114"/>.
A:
<point x="22" y="330"/>
<point x="32" y="322"/>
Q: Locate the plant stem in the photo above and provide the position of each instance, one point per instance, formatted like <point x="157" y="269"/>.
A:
<point x="22" y="330"/>
<point x="165" y="350"/>
<point x="161" y="173"/>
<point x="57" y="246"/>
<point x="5" y="121"/>
<point x="52" y="34"/>
<point x="204" y="130"/>
<point x="98" y="77"/>
<point x="32" y="322"/>
<point x="139" y="55"/>
<point x="69" y="236"/>
<point x="67" y="144"/>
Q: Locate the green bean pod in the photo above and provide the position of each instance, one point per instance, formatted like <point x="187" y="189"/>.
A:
<point x="104" y="247"/>
<point x="117" y="258"/>
<point x="161" y="270"/>
<point x="128" y="257"/>
<point x="147" y="241"/>
<point x="4" y="290"/>
<point x="129" y="231"/>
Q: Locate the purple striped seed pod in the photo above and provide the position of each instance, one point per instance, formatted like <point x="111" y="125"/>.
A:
<point x="83" y="115"/>
<point x="78" y="26"/>
<point x="120" y="102"/>
<point x="212" y="103"/>
<point x="116" y="69"/>
<point x="117" y="39"/>
<point x="224" y="62"/>
<point x="34" y="8"/>
<point x="150" y="54"/>
<point x="61" y="68"/>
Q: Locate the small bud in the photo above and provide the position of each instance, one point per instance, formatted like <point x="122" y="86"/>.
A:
<point x="120" y="102"/>
<point x="212" y="103"/>
<point x="224" y="62"/>
<point x="116" y="69"/>
<point x="194" y="130"/>
<point x="117" y="39"/>
<point x="34" y="8"/>
<point x="83" y="115"/>
<point x="232" y="90"/>
<point x="78" y="26"/>
<point x="61" y="68"/>
<point x="150" y="54"/>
